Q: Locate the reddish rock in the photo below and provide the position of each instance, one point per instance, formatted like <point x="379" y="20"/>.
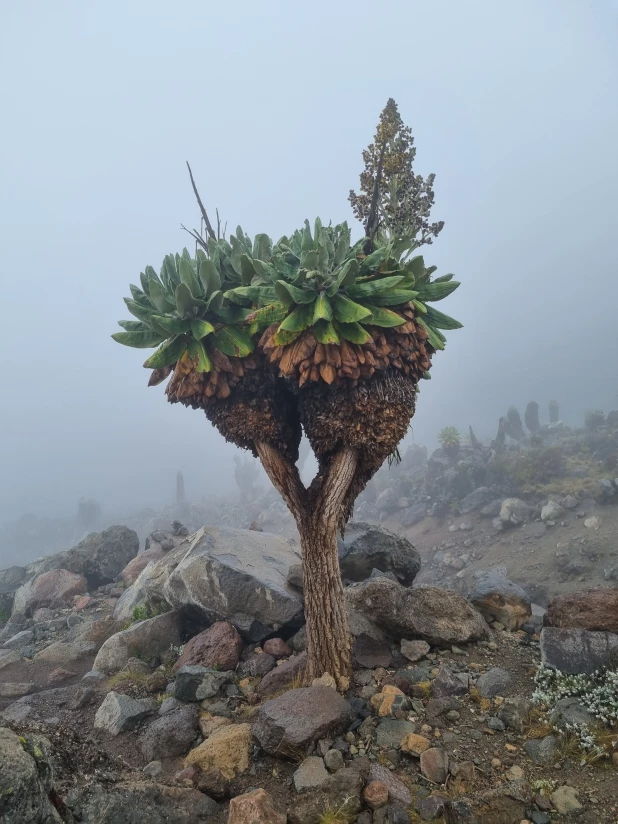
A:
<point x="59" y="676"/>
<point x="284" y="675"/>
<point x="434" y="765"/>
<point x="187" y="777"/>
<point x="81" y="602"/>
<point x="277" y="648"/>
<point x="256" y="807"/>
<point x="219" y="647"/>
<point x="138" y="564"/>
<point x="397" y="790"/>
<point x="595" y="610"/>
<point x="375" y="795"/>
<point x="54" y="589"/>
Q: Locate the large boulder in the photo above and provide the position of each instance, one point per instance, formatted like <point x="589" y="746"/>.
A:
<point x="366" y="547"/>
<point x="170" y="735"/>
<point x="233" y="575"/>
<point x="441" y="617"/>
<point x="224" y="755"/>
<point x="26" y="779"/>
<point x="577" y="651"/>
<point x="287" y="725"/>
<point x="593" y="609"/>
<point x="475" y="500"/>
<point x="10" y="581"/>
<point x="119" y="713"/>
<point x="54" y="589"/>
<point x="514" y="512"/>
<point x="102" y="556"/>
<point x="132" y="570"/>
<point x="145" y="639"/>
<point x="499" y="599"/>
<point x="136" y="802"/>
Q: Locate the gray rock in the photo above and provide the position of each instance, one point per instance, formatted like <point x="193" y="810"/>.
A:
<point x="542" y="750"/>
<point x="492" y="509"/>
<point x="256" y="665"/>
<point x="439" y="616"/>
<point x="447" y="683"/>
<point x="565" y="800"/>
<point x="387" y="500"/>
<point x="514" y="512"/>
<point x="475" y="500"/>
<point x="510" y="716"/>
<point x="137" y="802"/>
<point x="102" y="556"/>
<point x="569" y="502"/>
<point x="414" y="650"/>
<point x="496" y="724"/>
<point x="569" y="711"/>
<point x="9" y="657"/>
<point x="231" y="574"/>
<point x="333" y="760"/>
<point x="301" y="717"/>
<point x="153" y="769"/>
<point x="197" y="683"/>
<point x="496" y="681"/>
<point x="607" y="489"/>
<point x="311" y="774"/>
<point x="170" y="735"/>
<point x="18" y="711"/>
<point x="20" y="640"/>
<point x="147" y="638"/>
<point x="366" y="547"/>
<point x="10" y="689"/>
<point x="12" y="578"/>
<point x="390" y="732"/>
<point x="552" y="511"/>
<point x="119" y="713"/>
<point x="298" y="642"/>
<point x="413" y="514"/>
<point x="284" y="675"/>
<point x="340" y="791"/>
<point x="169" y="704"/>
<point x="499" y="599"/>
<point x="94" y="677"/>
<point x="26" y="778"/>
<point x="577" y="651"/>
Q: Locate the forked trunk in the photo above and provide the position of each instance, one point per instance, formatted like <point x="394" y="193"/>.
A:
<point x="328" y="630"/>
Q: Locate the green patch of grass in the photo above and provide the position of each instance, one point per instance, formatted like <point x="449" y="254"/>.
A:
<point x="127" y="677"/>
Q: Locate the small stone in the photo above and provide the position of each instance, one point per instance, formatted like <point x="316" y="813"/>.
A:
<point x="496" y="763"/>
<point x="375" y="795"/>
<point x="542" y="751"/>
<point x="514" y="773"/>
<point x="434" y="765"/>
<point x="119" y="713"/>
<point x="277" y="647"/>
<point x="565" y="800"/>
<point x="255" y="807"/>
<point x="333" y="760"/>
<point x="310" y="775"/>
<point x="153" y="769"/>
<point x="325" y="680"/>
<point x="414" y="650"/>
<point x="496" y="724"/>
<point x="592" y="523"/>
<point x="496" y="681"/>
<point x="8" y="690"/>
<point x="415" y="745"/>
<point x="59" y="676"/>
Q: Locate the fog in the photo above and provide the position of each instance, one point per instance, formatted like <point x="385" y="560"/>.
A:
<point x="512" y="106"/>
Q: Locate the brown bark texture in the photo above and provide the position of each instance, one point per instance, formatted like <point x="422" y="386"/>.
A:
<point x="318" y="512"/>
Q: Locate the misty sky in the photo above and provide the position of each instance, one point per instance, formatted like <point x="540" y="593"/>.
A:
<point x="513" y="106"/>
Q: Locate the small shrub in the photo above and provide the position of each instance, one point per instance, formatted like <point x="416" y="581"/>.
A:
<point x="449" y="437"/>
<point x="4" y="615"/>
<point x="594" y="419"/>
<point x="140" y="613"/>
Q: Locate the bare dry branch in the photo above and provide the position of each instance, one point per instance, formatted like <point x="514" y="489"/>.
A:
<point x="201" y="205"/>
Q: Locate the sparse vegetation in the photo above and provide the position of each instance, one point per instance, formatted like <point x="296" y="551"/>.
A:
<point x="449" y="438"/>
<point x="594" y="419"/>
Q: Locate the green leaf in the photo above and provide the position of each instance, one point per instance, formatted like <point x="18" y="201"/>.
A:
<point x="134" y="325"/>
<point x="444" y="278"/>
<point x="374" y="260"/>
<point x="282" y="337"/>
<point x="434" y="340"/>
<point x="211" y="280"/>
<point x="143" y="279"/>
<point x="200" y="356"/>
<point x="394" y="297"/>
<point x="167" y="354"/>
<point x="158" y="297"/>
<point x="317" y="228"/>
<point x="416" y="265"/>
<point x="307" y="241"/>
<point x="342" y="248"/>
<point x="382" y="317"/>
<point x="262" y="247"/>
<point x="373" y="287"/>
<point x="347" y="311"/>
<point x="426" y="376"/>
<point x="437" y="291"/>
<point x="139" y="311"/>
<point x="347" y="274"/>
<point x="184" y="300"/>
<point x="251" y="294"/>
<point x="139" y="340"/>
<point x="201" y="328"/>
<point x="309" y="260"/>
<point x="233" y="314"/>
<point x="265" y="270"/>
<point x="322" y="308"/>
<point x="169" y="263"/>
<point x="300" y="319"/>
<point x="173" y="326"/>
<point x="325" y="332"/>
<point x="215" y="301"/>
<point x="323" y="260"/>
<point x="233" y="341"/>
<point x="246" y="270"/>
<point x="284" y="296"/>
<point x="353" y="332"/>
<point x="261" y="318"/>
<point x="297" y="293"/>
<point x="188" y="277"/>
<point x="420" y="307"/>
<point x="139" y="296"/>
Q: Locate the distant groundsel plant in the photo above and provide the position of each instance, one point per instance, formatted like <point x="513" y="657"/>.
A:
<point x="313" y="332"/>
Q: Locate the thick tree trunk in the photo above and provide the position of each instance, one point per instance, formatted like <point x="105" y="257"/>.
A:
<point x="328" y="631"/>
<point x="318" y="512"/>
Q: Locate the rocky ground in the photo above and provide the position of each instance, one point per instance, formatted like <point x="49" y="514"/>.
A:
<point x="167" y="686"/>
